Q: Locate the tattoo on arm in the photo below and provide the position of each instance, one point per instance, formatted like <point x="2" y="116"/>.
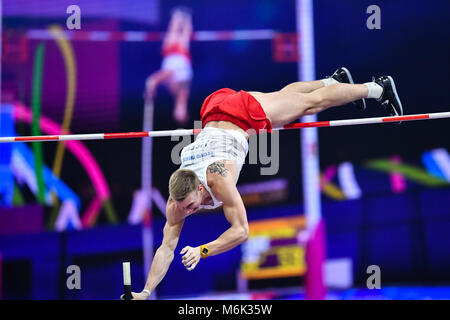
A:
<point x="219" y="168"/>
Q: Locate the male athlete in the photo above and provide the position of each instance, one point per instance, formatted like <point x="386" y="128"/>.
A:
<point x="176" y="68"/>
<point x="211" y="165"/>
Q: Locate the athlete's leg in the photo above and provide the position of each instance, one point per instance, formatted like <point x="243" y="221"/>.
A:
<point x="335" y="95"/>
<point x="310" y="86"/>
<point x="285" y="106"/>
<point x="153" y="81"/>
<point x="341" y="75"/>
<point x="300" y="87"/>
<point x="181" y="92"/>
<point x="305" y="98"/>
<point x="304" y="86"/>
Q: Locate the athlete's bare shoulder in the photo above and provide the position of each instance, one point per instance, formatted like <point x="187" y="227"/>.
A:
<point x="220" y="172"/>
<point x="222" y="177"/>
<point x="218" y="169"/>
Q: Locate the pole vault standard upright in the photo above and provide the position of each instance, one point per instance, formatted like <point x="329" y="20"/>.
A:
<point x="188" y="132"/>
<point x="315" y="251"/>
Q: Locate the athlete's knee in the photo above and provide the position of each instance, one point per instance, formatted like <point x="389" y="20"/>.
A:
<point x="312" y="111"/>
<point x="151" y="80"/>
<point x="314" y="100"/>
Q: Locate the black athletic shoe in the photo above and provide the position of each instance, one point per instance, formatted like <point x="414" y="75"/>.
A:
<point x="389" y="99"/>
<point x="342" y="75"/>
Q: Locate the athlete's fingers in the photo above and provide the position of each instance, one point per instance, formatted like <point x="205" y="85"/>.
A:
<point x="188" y="252"/>
<point x="192" y="267"/>
<point x="189" y="261"/>
<point x="193" y="260"/>
<point x="184" y="250"/>
<point x="187" y="255"/>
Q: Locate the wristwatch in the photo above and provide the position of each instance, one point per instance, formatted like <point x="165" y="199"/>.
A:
<point x="204" y="251"/>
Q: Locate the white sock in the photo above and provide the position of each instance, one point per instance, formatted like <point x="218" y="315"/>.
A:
<point x="328" y="81"/>
<point x="375" y="90"/>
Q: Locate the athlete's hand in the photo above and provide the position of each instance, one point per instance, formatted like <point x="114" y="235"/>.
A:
<point x="138" y="296"/>
<point x="191" y="256"/>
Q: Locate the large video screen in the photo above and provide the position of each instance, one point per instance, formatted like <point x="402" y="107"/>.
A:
<point x="273" y="249"/>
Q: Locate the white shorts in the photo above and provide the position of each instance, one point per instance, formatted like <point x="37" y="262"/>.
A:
<point x="180" y="65"/>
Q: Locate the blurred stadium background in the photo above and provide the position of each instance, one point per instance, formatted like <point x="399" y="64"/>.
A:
<point x="385" y="189"/>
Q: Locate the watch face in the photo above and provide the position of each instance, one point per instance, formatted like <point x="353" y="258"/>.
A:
<point x="204" y="251"/>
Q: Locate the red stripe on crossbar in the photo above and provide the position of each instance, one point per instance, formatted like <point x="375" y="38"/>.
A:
<point x="125" y="135"/>
<point x="36" y="138"/>
<point x="307" y="125"/>
<point x="405" y="118"/>
<point x="84" y="36"/>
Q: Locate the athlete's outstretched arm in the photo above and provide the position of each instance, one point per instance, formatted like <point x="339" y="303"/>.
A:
<point x="163" y="256"/>
<point x="224" y="189"/>
<point x="235" y="213"/>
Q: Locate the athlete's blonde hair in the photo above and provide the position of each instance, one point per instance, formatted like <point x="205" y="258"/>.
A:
<point x="181" y="183"/>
